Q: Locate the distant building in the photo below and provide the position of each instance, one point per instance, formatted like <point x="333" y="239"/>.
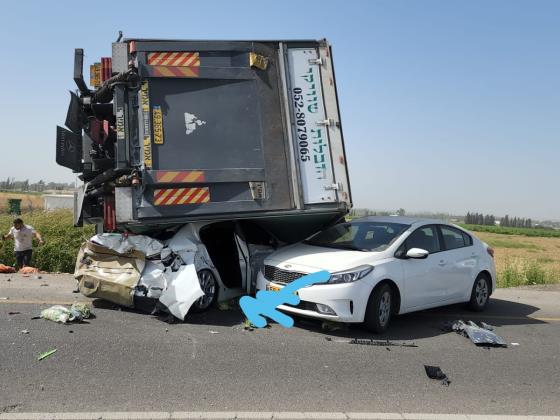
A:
<point x="58" y="201"/>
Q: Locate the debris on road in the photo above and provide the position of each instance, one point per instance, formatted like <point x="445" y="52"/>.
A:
<point x="142" y="272"/>
<point x="14" y="313"/>
<point x="46" y="354"/>
<point x="6" y="269"/>
<point x="435" y="372"/>
<point x="24" y="332"/>
<point x="214" y="332"/>
<point x="481" y="336"/>
<point x="44" y="284"/>
<point x="380" y="343"/>
<point x="26" y="271"/>
<point x="332" y="326"/>
<point x="514" y="344"/>
<point x="486" y="326"/>
<point x="4" y="298"/>
<point x="58" y="313"/>
<point x="248" y="326"/>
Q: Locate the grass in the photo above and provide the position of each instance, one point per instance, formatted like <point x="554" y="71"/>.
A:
<point x="522" y="260"/>
<point x="62" y="240"/>
<point x="521" y="272"/>
<point x="531" y="232"/>
<point x="512" y="244"/>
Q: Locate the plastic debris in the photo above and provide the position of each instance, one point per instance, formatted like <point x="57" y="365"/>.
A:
<point x="435" y="372"/>
<point x="214" y="332"/>
<point x="4" y="298"/>
<point x="514" y="344"/>
<point x="380" y="343"/>
<point x="46" y="354"/>
<point x="24" y="332"/>
<point x="58" y="313"/>
<point x="479" y="336"/>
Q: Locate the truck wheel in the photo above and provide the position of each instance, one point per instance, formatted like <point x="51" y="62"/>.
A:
<point x="209" y="286"/>
<point x="480" y="293"/>
<point x="379" y="309"/>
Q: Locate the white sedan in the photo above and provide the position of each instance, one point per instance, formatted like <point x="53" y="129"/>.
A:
<point x="384" y="266"/>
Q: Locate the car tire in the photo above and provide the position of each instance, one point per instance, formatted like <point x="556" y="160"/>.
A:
<point x="209" y="286"/>
<point x="379" y="309"/>
<point x="480" y="294"/>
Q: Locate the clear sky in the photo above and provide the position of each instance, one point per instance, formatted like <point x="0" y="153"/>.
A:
<point x="446" y="105"/>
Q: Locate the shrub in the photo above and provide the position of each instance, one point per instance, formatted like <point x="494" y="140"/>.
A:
<point x="62" y="240"/>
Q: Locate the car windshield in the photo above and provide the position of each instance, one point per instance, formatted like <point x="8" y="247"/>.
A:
<point x="359" y="236"/>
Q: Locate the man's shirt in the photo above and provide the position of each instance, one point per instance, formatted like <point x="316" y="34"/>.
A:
<point x="23" y="238"/>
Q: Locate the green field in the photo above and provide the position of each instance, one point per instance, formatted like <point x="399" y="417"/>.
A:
<point x="62" y="240"/>
<point x="533" y="232"/>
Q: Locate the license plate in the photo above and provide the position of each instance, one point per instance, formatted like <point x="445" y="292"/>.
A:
<point x="273" y="288"/>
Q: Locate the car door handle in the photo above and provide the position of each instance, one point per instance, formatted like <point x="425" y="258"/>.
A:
<point x="441" y="263"/>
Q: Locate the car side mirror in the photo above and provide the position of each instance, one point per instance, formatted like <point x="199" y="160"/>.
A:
<point x="417" y="253"/>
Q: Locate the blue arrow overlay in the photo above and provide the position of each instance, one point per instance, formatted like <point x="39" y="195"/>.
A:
<point x="255" y="309"/>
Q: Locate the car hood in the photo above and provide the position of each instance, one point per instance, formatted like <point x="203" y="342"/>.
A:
<point x="308" y="258"/>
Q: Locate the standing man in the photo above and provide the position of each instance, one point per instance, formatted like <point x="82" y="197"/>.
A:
<point x="23" y="242"/>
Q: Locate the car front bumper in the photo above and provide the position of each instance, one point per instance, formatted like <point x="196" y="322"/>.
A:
<point x="347" y="300"/>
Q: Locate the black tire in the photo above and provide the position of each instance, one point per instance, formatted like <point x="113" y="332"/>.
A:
<point x="480" y="294"/>
<point x="209" y="286"/>
<point x="379" y="309"/>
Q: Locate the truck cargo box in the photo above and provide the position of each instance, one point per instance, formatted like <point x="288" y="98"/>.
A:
<point x="180" y="131"/>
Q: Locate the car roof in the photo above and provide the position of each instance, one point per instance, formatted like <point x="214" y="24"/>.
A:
<point x="405" y="220"/>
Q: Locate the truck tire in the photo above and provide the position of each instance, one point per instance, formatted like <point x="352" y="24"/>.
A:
<point x="379" y="309"/>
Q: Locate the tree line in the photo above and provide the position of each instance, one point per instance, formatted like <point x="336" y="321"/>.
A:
<point x="490" y="220"/>
<point x="10" y="184"/>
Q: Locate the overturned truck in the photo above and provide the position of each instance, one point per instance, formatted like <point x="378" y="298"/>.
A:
<point x="232" y="148"/>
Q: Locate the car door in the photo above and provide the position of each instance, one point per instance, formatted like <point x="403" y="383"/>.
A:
<point x="424" y="282"/>
<point x="460" y="260"/>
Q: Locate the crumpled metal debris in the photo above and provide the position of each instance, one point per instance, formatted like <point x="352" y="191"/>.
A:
<point x="380" y="343"/>
<point x="435" y="372"/>
<point x="123" y="244"/>
<point x="183" y="290"/>
<point x="481" y="336"/>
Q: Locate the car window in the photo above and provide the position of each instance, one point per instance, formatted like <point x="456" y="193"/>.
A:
<point x="424" y="238"/>
<point x="454" y="238"/>
<point x="359" y="235"/>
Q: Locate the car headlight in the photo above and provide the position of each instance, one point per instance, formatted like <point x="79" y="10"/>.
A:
<point x="348" y="276"/>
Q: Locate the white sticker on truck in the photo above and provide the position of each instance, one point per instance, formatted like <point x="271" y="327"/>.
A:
<point x="192" y="122"/>
<point x="311" y="131"/>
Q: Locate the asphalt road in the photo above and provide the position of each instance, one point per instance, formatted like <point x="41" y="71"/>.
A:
<point x="129" y="361"/>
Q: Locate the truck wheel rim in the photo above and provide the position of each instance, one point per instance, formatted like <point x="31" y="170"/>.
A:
<point x="208" y="286"/>
<point x="481" y="292"/>
<point x="384" y="308"/>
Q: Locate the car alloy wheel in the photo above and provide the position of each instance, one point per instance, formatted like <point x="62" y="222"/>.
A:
<point x="385" y="308"/>
<point x="481" y="291"/>
<point x="208" y="285"/>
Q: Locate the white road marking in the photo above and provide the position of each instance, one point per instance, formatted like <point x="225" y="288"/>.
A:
<point x="128" y="415"/>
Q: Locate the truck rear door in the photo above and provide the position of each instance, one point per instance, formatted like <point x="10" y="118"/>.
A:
<point x="213" y="133"/>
